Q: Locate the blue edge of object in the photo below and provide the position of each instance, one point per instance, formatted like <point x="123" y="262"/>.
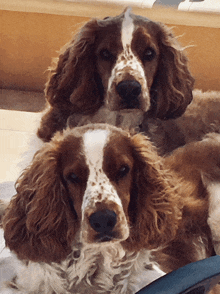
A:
<point x="195" y="278"/>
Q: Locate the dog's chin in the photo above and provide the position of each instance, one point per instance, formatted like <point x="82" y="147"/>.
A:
<point x="109" y="237"/>
<point x="95" y="239"/>
<point x="130" y="119"/>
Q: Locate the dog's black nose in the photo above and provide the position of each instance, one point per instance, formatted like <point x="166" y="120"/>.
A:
<point x="129" y="92"/>
<point x="103" y="221"/>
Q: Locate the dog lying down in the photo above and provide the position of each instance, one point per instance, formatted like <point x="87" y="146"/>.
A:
<point x="99" y="211"/>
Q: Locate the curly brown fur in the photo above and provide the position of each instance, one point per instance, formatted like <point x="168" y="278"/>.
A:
<point x="198" y="163"/>
<point x="201" y="117"/>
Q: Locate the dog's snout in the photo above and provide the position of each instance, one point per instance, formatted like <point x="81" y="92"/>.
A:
<point x="129" y="92"/>
<point x="103" y="221"/>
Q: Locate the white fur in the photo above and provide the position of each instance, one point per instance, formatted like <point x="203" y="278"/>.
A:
<point x="127" y="30"/>
<point x="105" y="269"/>
<point x="214" y="214"/>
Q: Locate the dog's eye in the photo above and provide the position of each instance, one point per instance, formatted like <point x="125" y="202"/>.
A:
<point x="149" y="54"/>
<point x="106" y="55"/>
<point x="123" y="171"/>
<point x="73" y="178"/>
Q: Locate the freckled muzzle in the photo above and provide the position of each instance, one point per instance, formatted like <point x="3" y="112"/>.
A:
<point x="103" y="216"/>
<point x="127" y="87"/>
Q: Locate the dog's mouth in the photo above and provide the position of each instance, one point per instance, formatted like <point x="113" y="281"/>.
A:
<point x="127" y="94"/>
<point x="131" y="104"/>
<point x="107" y="237"/>
<point x="104" y="226"/>
<point x="103" y="223"/>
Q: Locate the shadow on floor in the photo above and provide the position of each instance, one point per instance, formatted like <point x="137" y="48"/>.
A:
<point x="22" y="100"/>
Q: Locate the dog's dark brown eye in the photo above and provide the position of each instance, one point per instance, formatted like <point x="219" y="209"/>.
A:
<point x="73" y="178"/>
<point x="105" y="54"/>
<point x="149" y="54"/>
<point x="123" y="171"/>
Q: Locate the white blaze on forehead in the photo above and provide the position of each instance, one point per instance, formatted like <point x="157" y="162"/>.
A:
<point x="99" y="187"/>
<point x="94" y="142"/>
<point x="127" y="29"/>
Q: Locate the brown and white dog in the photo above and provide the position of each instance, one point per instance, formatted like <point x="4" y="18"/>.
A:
<point x="115" y="71"/>
<point x="98" y="210"/>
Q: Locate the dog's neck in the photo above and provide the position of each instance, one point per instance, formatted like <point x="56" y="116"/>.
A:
<point x="109" y="269"/>
<point x="125" y="119"/>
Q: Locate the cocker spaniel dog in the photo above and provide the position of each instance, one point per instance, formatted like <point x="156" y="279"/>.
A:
<point x="117" y="70"/>
<point x="98" y="211"/>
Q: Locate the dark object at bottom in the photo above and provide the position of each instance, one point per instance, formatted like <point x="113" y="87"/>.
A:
<point x="195" y="278"/>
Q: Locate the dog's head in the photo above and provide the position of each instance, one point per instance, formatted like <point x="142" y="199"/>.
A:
<point x="124" y="62"/>
<point x="94" y="184"/>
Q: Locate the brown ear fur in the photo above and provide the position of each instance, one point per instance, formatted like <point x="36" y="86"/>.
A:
<point x="156" y="203"/>
<point x="72" y="78"/>
<point x="73" y="85"/>
<point x="39" y="224"/>
<point x="173" y="83"/>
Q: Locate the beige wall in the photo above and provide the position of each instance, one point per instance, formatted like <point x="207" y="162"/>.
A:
<point x="28" y="42"/>
<point x="30" y="39"/>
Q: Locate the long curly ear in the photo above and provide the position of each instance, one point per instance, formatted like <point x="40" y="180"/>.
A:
<point x="74" y="85"/>
<point x="39" y="223"/>
<point x="171" y="91"/>
<point x="73" y="78"/>
<point x="154" y="209"/>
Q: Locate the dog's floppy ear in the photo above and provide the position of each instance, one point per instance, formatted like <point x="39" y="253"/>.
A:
<point x="39" y="224"/>
<point x="73" y="79"/>
<point x="171" y="91"/>
<point x="154" y="208"/>
<point x="74" y="85"/>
